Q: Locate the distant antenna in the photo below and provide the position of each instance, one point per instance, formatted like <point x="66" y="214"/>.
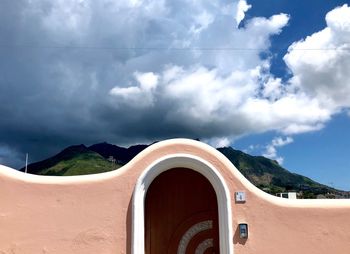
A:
<point x="25" y="171"/>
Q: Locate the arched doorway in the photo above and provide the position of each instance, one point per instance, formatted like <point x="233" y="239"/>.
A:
<point x="185" y="161"/>
<point x="181" y="214"/>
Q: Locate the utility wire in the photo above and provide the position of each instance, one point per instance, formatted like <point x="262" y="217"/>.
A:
<point x="164" y="48"/>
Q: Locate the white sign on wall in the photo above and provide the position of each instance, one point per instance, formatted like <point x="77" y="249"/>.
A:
<point x="240" y="196"/>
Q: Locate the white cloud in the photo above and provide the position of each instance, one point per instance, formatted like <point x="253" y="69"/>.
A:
<point x="219" y="142"/>
<point x="273" y="89"/>
<point x="120" y="61"/>
<point x="202" y="21"/>
<point x="206" y="96"/>
<point x="148" y="81"/>
<point x="217" y="99"/>
<point x="302" y="128"/>
<point x="279" y="141"/>
<point x="271" y="153"/>
<point x="321" y="62"/>
<point x="242" y="8"/>
<point x="137" y="96"/>
<point x="338" y="21"/>
<point x="271" y="149"/>
<point x="246" y="99"/>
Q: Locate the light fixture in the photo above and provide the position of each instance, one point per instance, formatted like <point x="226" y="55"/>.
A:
<point x="243" y="230"/>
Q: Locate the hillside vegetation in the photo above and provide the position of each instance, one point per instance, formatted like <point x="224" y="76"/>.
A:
<point x="74" y="160"/>
<point x="264" y="173"/>
<point x="269" y="176"/>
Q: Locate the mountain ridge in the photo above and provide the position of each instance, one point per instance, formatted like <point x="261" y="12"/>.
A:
<point x="264" y="173"/>
<point x="73" y="160"/>
<point x="121" y="154"/>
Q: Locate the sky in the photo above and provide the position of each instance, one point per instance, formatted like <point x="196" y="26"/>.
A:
<point x="269" y="77"/>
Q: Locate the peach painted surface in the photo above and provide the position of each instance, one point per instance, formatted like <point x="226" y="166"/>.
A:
<point x="92" y="214"/>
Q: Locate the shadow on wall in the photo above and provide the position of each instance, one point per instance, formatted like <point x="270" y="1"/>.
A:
<point x="237" y="239"/>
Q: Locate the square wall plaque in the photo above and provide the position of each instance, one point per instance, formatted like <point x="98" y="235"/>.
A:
<point x="240" y="196"/>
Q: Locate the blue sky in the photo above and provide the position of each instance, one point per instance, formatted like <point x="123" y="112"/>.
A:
<point x="321" y="155"/>
<point x="269" y="77"/>
<point x="307" y="17"/>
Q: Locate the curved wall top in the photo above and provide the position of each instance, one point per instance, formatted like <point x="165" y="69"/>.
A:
<point x="94" y="213"/>
<point x="165" y="148"/>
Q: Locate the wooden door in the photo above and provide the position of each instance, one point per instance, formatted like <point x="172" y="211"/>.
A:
<point x="181" y="214"/>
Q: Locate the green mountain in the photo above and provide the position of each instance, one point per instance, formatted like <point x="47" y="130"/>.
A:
<point x="74" y="160"/>
<point x="269" y="176"/>
<point x="120" y="154"/>
<point x="264" y="173"/>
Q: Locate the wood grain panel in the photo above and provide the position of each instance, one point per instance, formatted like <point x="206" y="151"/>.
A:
<point x="176" y="200"/>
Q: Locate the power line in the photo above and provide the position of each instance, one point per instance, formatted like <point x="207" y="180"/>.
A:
<point x="86" y="47"/>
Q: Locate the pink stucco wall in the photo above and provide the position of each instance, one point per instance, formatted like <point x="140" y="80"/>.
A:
<point x="92" y="214"/>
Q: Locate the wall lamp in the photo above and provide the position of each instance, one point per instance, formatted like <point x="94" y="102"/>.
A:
<point x="243" y="230"/>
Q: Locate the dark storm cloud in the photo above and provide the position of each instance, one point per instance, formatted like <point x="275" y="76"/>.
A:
<point x="88" y="71"/>
<point x="52" y="95"/>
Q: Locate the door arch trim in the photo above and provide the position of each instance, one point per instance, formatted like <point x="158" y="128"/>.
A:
<point x="191" y="162"/>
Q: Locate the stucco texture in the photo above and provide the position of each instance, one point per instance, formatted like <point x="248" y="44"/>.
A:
<point x="92" y="214"/>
